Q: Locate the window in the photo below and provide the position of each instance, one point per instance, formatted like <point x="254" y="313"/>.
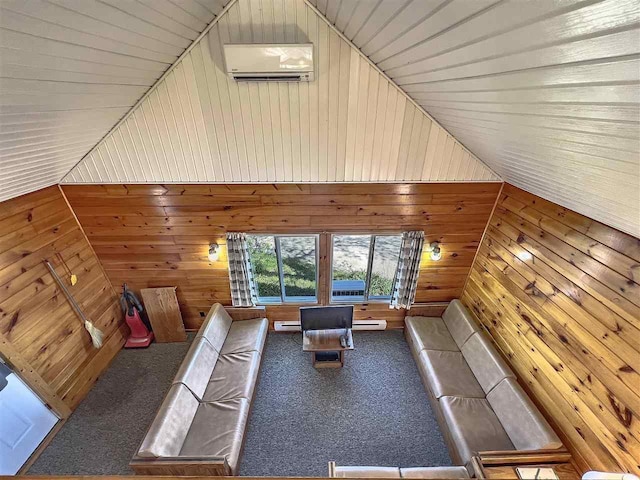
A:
<point x="285" y="267"/>
<point x="363" y="267"/>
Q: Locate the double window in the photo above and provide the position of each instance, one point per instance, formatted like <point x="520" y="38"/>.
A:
<point x="286" y="267"/>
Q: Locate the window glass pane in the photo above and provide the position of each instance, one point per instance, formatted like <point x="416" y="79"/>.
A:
<point x="383" y="267"/>
<point x="265" y="267"/>
<point x="299" y="268"/>
<point x="350" y="261"/>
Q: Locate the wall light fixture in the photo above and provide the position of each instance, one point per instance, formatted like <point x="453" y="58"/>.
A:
<point x="434" y="249"/>
<point x="436" y="254"/>
<point x="213" y="252"/>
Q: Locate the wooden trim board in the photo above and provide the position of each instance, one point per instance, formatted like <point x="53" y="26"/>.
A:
<point x="161" y="305"/>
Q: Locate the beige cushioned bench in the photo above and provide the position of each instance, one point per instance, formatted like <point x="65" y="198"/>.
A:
<point x="478" y="401"/>
<point x="200" y="426"/>
<point x="434" y="473"/>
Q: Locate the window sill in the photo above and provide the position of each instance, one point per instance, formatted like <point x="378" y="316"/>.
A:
<point x="291" y="303"/>
<point x="359" y="302"/>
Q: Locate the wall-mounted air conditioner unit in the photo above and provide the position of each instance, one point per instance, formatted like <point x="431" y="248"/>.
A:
<point x="270" y="62"/>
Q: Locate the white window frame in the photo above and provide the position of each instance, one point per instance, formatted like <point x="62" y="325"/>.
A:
<point x="367" y="283"/>
<point x="283" y="299"/>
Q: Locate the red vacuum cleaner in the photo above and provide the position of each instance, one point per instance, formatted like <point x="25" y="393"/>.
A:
<point x="135" y="316"/>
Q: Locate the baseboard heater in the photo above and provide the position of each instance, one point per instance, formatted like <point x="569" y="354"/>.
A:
<point x="294" y="325"/>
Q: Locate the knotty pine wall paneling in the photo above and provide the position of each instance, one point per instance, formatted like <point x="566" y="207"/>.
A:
<point x="560" y="295"/>
<point x="40" y="335"/>
<point x="158" y="235"/>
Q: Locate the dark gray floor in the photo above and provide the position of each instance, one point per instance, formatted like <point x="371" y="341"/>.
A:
<point x="103" y="433"/>
<point x="374" y="411"/>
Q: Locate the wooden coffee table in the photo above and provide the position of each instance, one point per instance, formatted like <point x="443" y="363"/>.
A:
<point x="325" y="347"/>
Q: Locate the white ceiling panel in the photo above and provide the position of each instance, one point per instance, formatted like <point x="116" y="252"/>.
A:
<point x="350" y="124"/>
<point x="70" y="69"/>
<point x="546" y="92"/>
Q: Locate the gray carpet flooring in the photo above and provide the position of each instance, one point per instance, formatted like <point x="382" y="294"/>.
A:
<point x="103" y="433"/>
<point x="374" y="411"/>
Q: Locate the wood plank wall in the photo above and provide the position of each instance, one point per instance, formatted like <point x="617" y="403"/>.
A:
<point x="40" y="335"/>
<point x="560" y="295"/>
<point x="158" y="235"/>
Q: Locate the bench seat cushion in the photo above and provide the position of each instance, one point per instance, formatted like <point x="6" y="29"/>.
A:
<point x="473" y="426"/>
<point x="235" y="376"/>
<point x="459" y="322"/>
<point x="217" y="431"/>
<point x="246" y="336"/>
<point x="523" y="422"/>
<point x="448" y="374"/>
<point x="367" y="472"/>
<point x="434" y="473"/>
<point x="430" y="333"/>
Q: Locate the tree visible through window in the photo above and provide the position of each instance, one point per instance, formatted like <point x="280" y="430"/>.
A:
<point x="284" y="267"/>
<point x="363" y="267"/>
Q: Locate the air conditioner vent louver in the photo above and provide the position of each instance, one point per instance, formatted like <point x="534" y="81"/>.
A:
<point x="270" y="62"/>
<point x="263" y="78"/>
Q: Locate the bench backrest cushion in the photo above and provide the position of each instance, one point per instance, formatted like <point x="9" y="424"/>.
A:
<point x="169" y="429"/>
<point x="459" y="322"/>
<point x="197" y="367"/>
<point x="216" y="326"/>
<point x="366" y="472"/>
<point x="523" y="422"/>
<point x="485" y="362"/>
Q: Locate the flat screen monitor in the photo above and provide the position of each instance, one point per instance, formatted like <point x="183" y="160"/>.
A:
<point x="326" y="318"/>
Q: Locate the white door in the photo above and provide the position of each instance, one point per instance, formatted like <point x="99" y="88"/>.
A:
<point x="24" y="422"/>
